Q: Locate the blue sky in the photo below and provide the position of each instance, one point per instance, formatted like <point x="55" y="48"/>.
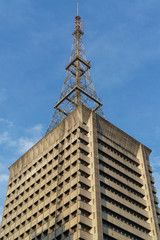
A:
<point x="122" y="41"/>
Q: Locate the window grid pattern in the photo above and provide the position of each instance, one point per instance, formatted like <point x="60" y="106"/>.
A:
<point x="117" y="172"/>
<point x="55" y="183"/>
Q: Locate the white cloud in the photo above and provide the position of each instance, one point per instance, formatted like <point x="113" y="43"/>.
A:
<point x="24" y="144"/>
<point x="4" y="178"/>
<point x="6" y="121"/>
<point x="21" y="144"/>
<point x="37" y="129"/>
<point x="4" y="137"/>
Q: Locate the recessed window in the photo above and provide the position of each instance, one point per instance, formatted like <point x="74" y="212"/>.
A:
<point x="40" y="160"/>
<point x="66" y="219"/>
<point x="50" y="162"/>
<point x="51" y="151"/>
<point x="56" y="147"/>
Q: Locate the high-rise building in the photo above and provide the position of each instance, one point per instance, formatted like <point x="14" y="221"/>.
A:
<point x="86" y="179"/>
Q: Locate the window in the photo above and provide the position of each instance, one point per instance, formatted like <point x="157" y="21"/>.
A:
<point x="84" y="186"/>
<point x="45" y="233"/>
<point x="66" y="219"/>
<point x="83" y="131"/>
<point x="50" y="162"/>
<point x="84" y="174"/>
<point x="74" y="132"/>
<point x="84" y="199"/>
<point x="125" y="220"/>
<point x="120" y="194"/>
<point x="49" y="173"/>
<point x="62" y="142"/>
<point x="56" y="147"/>
<point x="130" y="189"/>
<point x="68" y="137"/>
<point x="66" y="233"/>
<point x="83" y="142"/>
<point x="59" y="224"/>
<point x="67" y="158"/>
<point x="51" y="151"/>
<point x="34" y="165"/>
<point x="68" y="148"/>
<point x="85" y="213"/>
<point x="74" y="175"/>
<point x="85" y="227"/>
<point x="39" y="171"/>
<point x="40" y="160"/>
<point x="47" y="206"/>
<point x="29" y="169"/>
<point x="67" y="169"/>
<point x="67" y="180"/>
<point x="74" y="214"/>
<point x="74" y="228"/>
<point x="67" y="192"/>
<point x="74" y="200"/>
<point x="74" y="143"/>
<point x="53" y="214"/>
<point x="74" y="187"/>
<point x="67" y="205"/>
<point x="59" y="237"/>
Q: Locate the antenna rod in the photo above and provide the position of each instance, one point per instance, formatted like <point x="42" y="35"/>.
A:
<point x="77" y="8"/>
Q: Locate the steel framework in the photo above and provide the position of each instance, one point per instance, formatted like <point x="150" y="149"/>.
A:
<point x="78" y="87"/>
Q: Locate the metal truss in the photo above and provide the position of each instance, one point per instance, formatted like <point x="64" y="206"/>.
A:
<point x="78" y="87"/>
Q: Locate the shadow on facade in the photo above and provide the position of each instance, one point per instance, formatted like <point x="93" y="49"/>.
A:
<point x="52" y="233"/>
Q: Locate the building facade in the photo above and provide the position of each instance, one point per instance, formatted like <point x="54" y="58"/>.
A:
<point x="85" y="179"/>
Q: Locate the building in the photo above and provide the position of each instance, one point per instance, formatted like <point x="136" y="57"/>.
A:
<point x="86" y="179"/>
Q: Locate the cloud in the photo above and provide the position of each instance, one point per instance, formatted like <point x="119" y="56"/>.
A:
<point x="6" y="121"/>
<point x="4" y="178"/>
<point x="24" y="144"/>
<point x="20" y="144"/>
<point x="37" y="129"/>
<point x="4" y="137"/>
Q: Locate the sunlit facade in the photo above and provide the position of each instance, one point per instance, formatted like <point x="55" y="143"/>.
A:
<point x="85" y="180"/>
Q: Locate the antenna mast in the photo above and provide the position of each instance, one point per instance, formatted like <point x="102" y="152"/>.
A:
<point x="78" y="87"/>
<point x="77" y="8"/>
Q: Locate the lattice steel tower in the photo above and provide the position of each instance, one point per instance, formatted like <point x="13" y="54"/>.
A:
<point x="78" y="87"/>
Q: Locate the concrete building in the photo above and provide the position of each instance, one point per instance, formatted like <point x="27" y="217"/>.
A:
<point x="85" y="180"/>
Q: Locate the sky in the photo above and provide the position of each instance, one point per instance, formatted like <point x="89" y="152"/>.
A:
<point x="122" y="41"/>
